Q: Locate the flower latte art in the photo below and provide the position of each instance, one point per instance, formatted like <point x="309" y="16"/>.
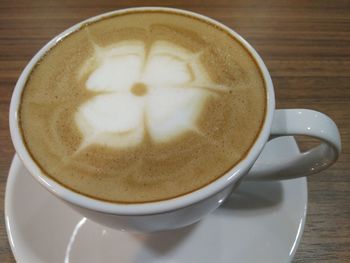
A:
<point x="161" y="92"/>
<point x="142" y="106"/>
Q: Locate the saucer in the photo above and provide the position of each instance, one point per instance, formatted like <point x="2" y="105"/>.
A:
<point x="260" y="222"/>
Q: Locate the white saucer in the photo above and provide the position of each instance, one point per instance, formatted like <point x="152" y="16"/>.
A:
<point x="261" y="222"/>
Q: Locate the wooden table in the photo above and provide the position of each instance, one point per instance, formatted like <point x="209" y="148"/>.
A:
<point x="305" y="44"/>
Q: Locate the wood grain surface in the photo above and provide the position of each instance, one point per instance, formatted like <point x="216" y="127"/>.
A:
<point x="305" y="44"/>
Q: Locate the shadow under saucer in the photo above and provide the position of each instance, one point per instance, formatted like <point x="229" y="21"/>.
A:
<point x="162" y="243"/>
<point x="254" y="196"/>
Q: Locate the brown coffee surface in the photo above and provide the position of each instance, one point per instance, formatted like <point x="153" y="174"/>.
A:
<point x="147" y="165"/>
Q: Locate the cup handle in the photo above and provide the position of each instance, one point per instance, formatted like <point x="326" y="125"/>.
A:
<point x="301" y="122"/>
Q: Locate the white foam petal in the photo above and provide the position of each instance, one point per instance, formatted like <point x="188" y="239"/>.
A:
<point x="123" y="48"/>
<point x="167" y="64"/>
<point x="166" y="47"/>
<point x="165" y="70"/>
<point x="119" y="66"/>
<point x="115" y="74"/>
<point x="112" y="119"/>
<point x="171" y="112"/>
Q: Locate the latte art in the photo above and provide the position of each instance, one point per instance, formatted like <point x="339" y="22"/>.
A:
<point x="142" y="106"/>
<point x="160" y="90"/>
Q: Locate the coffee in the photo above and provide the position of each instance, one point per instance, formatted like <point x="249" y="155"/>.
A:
<point x="142" y="106"/>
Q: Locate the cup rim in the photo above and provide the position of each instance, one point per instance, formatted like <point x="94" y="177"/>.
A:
<point x="148" y="208"/>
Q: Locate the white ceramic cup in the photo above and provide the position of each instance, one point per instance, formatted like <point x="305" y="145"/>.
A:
<point x="189" y="208"/>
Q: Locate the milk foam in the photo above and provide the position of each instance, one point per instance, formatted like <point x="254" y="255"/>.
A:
<point x="131" y="82"/>
<point x="174" y="85"/>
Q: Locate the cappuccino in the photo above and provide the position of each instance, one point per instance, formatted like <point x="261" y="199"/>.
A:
<point x="142" y="106"/>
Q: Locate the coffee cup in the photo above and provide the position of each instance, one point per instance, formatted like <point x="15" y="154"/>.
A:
<point x="143" y="198"/>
